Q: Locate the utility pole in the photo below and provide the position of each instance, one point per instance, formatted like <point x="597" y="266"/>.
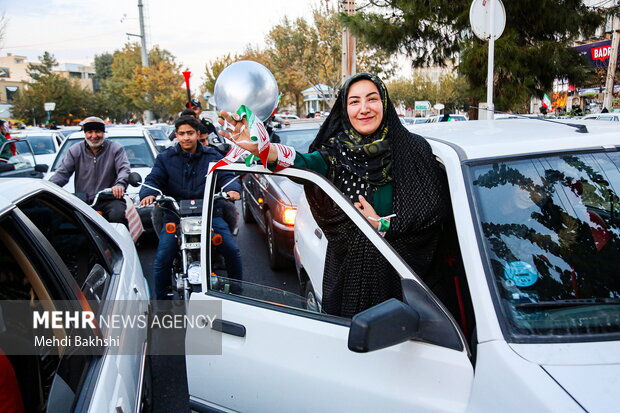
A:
<point x="144" y="54"/>
<point x="613" y="61"/>
<point x="348" y="43"/>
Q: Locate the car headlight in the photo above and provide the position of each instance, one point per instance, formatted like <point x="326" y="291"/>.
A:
<point x="191" y="226"/>
<point x="289" y="215"/>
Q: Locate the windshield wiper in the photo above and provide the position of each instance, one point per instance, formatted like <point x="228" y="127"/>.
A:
<point x="575" y="302"/>
<point x="140" y="165"/>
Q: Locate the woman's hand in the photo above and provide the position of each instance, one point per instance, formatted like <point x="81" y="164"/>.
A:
<point x="368" y="211"/>
<point x="240" y="135"/>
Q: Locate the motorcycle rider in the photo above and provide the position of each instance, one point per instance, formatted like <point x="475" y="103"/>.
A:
<point x="180" y="172"/>
<point x="98" y="164"/>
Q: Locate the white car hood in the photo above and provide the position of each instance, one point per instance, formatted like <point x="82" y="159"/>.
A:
<point x="594" y="387"/>
<point x="588" y="371"/>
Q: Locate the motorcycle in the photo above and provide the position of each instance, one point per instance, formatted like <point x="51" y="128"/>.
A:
<point x="186" y="266"/>
<point x="131" y="214"/>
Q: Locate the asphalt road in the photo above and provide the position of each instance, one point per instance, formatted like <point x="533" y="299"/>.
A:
<point x="169" y="380"/>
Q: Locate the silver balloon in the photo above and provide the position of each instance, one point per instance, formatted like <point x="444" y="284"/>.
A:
<point x="247" y="83"/>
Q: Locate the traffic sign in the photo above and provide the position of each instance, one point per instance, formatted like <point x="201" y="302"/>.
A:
<point x="48" y="106"/>
<point x="422" y="105"/>
<point x="479" y="18"/>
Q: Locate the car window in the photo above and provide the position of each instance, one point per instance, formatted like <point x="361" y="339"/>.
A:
<point x="18" y="154"/>
<point x="158" y="134"/>
<point x="42" y="144"/>
<point x="137" y="150"/>
<point x="298" y="139"/>
<point x="63" y="152"/>
<point x="551" y="227"/>
<point x="25" y="277"/>
<point x="284" y="251"/>
<point x="80" y="251"/>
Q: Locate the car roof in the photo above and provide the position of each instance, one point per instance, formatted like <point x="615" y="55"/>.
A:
<point x="481" y="139"/>
<point x="13" y="190"/>
<point x="114" y="133"/>
<point x="300" y="125"/>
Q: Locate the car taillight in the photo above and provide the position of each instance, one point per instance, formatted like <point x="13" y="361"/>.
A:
<point x="288" y="216"/>
<point x="171" y="227"/>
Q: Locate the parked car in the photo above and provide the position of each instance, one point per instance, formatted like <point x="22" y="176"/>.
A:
<point x="45" y="144"/>
<point x="141" y="152"/>
<point x="286" y="116"/>
<point x="160" y="136"/>
<point x="524" y="314"/>
<point x="57" y="253"/>
<point x="68" y="130"/>
<point x="413" y="121"/>
<point x="613" y="117"/>
<point x="271" y="202"/>
<point x="451" y="118"/>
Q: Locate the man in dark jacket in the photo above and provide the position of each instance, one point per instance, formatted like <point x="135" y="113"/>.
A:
<point x="98" y="164"/>
<point x="180" y="172"/>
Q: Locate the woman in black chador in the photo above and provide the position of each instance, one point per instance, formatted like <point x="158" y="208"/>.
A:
<point x="392" y="178"/>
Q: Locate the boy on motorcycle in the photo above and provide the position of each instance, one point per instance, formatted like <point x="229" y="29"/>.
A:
<point x="98" y="164"/>
<point x="180" y="172"/>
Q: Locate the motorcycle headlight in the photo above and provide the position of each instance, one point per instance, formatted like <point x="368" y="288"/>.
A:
<point x="193" y="273"/>
<point x="191" y="226"/>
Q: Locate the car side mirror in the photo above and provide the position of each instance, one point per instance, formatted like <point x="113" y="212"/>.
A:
<point x="384" y="325"/>
<point x="41" y="168"/>
<point x="134" y="179"/>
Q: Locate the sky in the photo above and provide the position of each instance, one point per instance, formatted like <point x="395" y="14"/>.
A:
<point x="195" y="32"/>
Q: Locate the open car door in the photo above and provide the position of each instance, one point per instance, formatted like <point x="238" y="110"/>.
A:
<point x="280" y="354"/>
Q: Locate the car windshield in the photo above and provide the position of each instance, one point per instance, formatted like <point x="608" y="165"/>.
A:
<point x="551" y="231"/>
<point x="158" y="134"/>
<point x="42" y="144"/>
<point x="299" y="139"/>
<point x="137" y="149"/>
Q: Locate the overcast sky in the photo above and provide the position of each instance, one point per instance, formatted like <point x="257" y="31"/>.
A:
<point x="193" y="31"/>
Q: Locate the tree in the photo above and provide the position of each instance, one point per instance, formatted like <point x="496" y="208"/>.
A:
<point x="131" y="88"/>
<point x="307" y="54"/>
<point x="533" y="50"/>
<point x="450" y="90"/>
<point x="47" y="86"/>
<point x="213" y="70"/>
<point x="103" y="69"/>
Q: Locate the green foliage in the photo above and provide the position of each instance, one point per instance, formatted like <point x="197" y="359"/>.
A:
<point x="301" y="54"/>
<point x="70" y="99"/>
<point x="450" y="90"/>
<point x="534" y="49"/>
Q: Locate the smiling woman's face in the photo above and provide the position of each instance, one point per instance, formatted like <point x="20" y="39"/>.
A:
<point x="364" y="107"/>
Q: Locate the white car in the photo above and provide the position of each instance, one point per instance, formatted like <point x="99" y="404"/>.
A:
<point x="59" y="254"/>
<point x="613" y="117"/>
<point x="45" y="144"/>
<point x="524" y="314"/>
<point x="451" y="118"/>
<point x="141" y="152"/>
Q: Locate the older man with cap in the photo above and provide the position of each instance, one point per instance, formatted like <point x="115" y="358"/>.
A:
<point x="98" y="164"/>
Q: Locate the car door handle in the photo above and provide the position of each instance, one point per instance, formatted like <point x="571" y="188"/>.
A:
<point x="318" y="233"/>
<point x="228" y="327"/>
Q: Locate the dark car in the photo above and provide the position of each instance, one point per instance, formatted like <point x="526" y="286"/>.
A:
<point x="271" y="201"/>
<point x="17" y="160"/>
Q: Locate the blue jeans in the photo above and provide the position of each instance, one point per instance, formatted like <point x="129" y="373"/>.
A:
<point x="228" y="248"/>
<point x="169" y="246"/>
<point x="162" y="267"/>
